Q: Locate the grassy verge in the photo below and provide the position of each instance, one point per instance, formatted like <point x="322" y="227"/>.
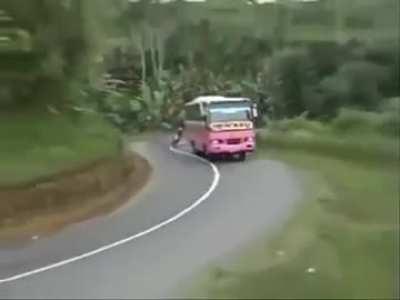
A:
<point x="369" y="148"/>
<point x="354" y="136"/>
<point x="60" y="169"/>
<point x="95" y="191"/>
<point x="343" y="242"/>
<point x="35" y="146"/>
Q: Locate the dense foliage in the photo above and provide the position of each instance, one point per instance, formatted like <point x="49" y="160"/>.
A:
<point x="160" y="54"/>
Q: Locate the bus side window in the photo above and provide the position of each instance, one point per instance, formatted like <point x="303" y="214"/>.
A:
<point x="187" y="113"/>
<point x="193" y="113"/>
<point x="197" y="112"/>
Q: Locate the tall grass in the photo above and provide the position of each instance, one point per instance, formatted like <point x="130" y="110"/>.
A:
<point x="349" y="120"/>
<point x="349" y="147"/>
<point x="352" y="135"/>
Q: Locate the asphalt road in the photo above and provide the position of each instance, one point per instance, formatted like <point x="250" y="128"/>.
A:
<point x="251" y="199"/>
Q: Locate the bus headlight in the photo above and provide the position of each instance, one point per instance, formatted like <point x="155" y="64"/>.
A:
<point x="216" y="142"/>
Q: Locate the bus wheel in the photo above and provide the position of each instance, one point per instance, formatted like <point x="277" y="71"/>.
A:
<point x="242" y="156"/>
<point x="201" y="153"/>
<point x="193" y="146"/>
<point x="195" y="150"/>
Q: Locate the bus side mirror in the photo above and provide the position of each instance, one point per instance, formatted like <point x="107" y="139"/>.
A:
<point x="254" y="111"/>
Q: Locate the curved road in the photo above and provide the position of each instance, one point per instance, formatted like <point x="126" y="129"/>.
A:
<point x="251" y="198"/>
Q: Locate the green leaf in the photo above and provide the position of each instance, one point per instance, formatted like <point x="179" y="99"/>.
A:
<point x="135" y="105"/>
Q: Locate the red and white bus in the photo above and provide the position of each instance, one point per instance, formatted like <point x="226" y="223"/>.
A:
<point x="220" y="125"/>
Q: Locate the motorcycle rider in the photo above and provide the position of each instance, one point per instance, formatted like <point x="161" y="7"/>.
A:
<point x="179" y="133"/>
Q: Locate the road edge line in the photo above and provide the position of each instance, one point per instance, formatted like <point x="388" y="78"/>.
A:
<point x="160" y="225"/>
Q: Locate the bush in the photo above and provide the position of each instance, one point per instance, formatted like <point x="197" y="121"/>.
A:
<point x="299" y="123"/>
<point x="391" y="105"/>
<point x="125" y="110"/>
<point x="352" y="134"/>
<point x="370" y="148"/>
<point x="386" y="53"/>
<point x="390" y="124"/>
<point x="336" y="93"/>
<point x="353" y="121"/>
<point x="292" y="78"/>
<point x="365" y="79"/>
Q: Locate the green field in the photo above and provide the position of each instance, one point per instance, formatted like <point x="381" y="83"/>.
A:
<point x="35" y="146"/>
<point x="342" y="243"/>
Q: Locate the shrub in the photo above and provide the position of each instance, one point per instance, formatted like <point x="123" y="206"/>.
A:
<point x="292" y="77"/>
<point x="347" y="147"/>
<point x="350" y="120"/>
<point x="355" y="120"/>
<point x="299" y="123"/>
<point x="391" y="105"/>
<point x="386" y="53"/>
<point x="364" y="79"/>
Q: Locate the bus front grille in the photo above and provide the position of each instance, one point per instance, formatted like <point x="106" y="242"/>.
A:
<point x="233" y="141"/>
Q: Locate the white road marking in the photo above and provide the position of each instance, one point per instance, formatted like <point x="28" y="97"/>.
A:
<point x="59" y="264"/>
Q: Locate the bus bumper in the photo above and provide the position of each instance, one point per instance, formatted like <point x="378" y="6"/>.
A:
<point x="230" y="149"/>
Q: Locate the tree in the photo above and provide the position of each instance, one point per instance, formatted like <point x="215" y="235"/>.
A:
<point x="65" y="44"/>
<point x="292" y="81"/>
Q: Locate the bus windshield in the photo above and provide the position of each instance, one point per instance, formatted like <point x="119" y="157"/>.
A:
<point x="221" y="112"/>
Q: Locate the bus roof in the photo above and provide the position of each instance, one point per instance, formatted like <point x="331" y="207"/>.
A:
<point x="210" y="99"/>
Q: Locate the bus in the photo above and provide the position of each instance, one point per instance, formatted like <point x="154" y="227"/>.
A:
<point x="217" y="125"/>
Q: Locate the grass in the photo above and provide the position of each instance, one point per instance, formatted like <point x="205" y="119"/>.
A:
<point x="370" y="148"/>
<point x="349" y="137"/>
<point x="76" y="198"/>
<point x="344" y="240"/>
<point x="35" y="146"/>
<point x="347" y="232"/>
